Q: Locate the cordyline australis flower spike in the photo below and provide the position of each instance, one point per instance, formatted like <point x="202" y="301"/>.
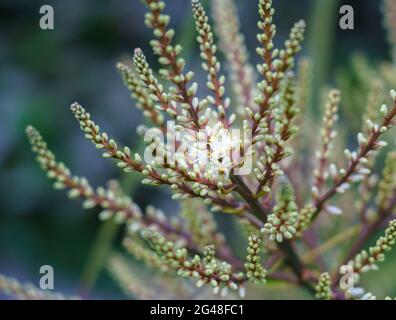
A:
<point x="182" y="91"/>
<point x="140" y="94"/>
<point x="102" y="141"/>
<point x="281" y="223"/>
<point x="168" y="53"/>
<point x="328" y="134"/>
<point x="120" y="208"/>
<point x="177" y="176"/>
<point x="126" y="161"/>
<point x="56" y="170"/>
<point x="275" y="149"/>
<point x="287" y="112"/>
<point x="217" y="274"/>
<point x="276" y="63"/>
<point x="152" y="85"/>
<point x="211" y="65"/>
<point x="366" y="261"/>
<point x="375" y="98"/>
<point x="13" y="288"/>
<point x="254" y="269"/>
<point x="192" y="246"/>
<point x="266" y="36"/>
<point x="231" y="43"/>
<point x="323" y="288"/>
<point x="356" y="169"/>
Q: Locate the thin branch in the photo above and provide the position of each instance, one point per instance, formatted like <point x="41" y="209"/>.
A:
<point x="292" y="258"/>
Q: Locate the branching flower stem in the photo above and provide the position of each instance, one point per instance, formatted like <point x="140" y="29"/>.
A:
<point x="129" y="164"/>
<point x="198" y="160"/>
<point x="285" y="133"/>
<point x="248" y="196"/>
<point x="278" y="71"/>
<point x="129" y="211"/>
<point x="260" y="213"/>
<point x="367" y="232"/>
<point x="370" y="146"/>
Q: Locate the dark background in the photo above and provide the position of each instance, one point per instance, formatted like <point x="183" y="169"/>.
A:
<point x="43" y="72"/>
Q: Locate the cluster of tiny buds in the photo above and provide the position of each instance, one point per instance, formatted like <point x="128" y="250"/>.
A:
<point x="204" y="271"/>
<point x="266" y="36"/>
<point x="366" y="261"/>
<point x="275" y="146"/>
<point x="323" y="288"/>
<point x="330" y="117"/>
<point x="168" y="102"/>
<point x="367" y="145"/>
<point x="102" y="141"/>
<point x="157" y="21"/>
<point x="254" y="269"/>
<point x="281" y="224"/>
<point x="328" y="134"/>
<point x="272" y="69"/>
<point x="358" y="161"/>
<point x="140" y="95"/>
<point x="154" y="88"/>
<point x="208" y="53"/>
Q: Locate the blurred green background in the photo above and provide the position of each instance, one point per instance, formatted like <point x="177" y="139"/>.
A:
<point x="43" y="72"/>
